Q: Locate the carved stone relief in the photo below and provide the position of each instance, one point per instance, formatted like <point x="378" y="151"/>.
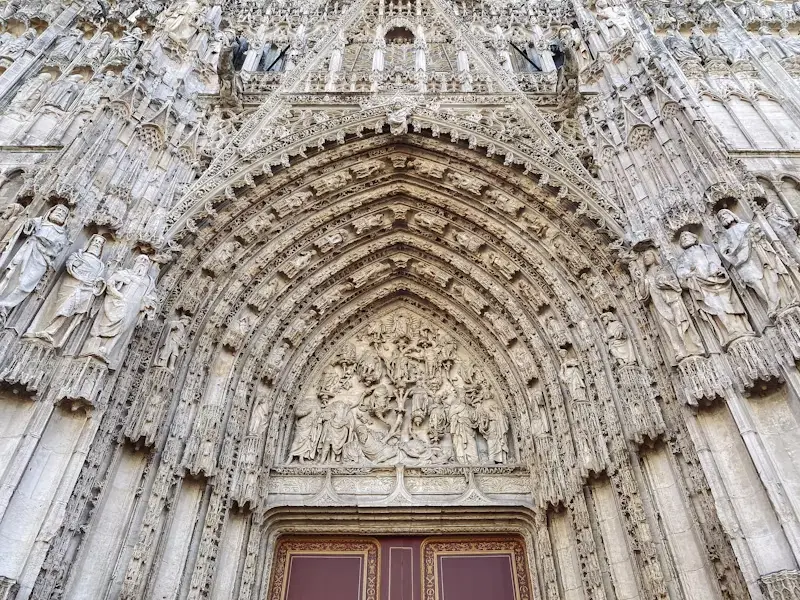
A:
<point x="401" y="390"/>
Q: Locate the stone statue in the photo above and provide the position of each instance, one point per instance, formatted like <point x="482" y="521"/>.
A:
<point x="123" y="51"/>
<point x="704" y="46"/>
<point x="714" y="300"/>
<point x="129" y="295"/>
<point x="76" y="291"/>
<point x="307" y="430"/>
<point x="744" y="248"/>
<point x="784" y="226"/>
<point x="373" y="448"/>
<point x="660" y="285"/>
<point x="66" y="47"/>
<point x="14" y="47"/>
<point x="64" y="92"/>
<point x="463" y="421"/>
<point x="11" y="219"/>
<point x="25" y="266"/>
<point x="619" y="344"/>
<point x="28" y="96"/>
<point x="180" y="21"/>
<point x="571" y="375"/>
<point x="176" y="340"/>
<point x="615" y="23"/>
<point x="338" y="430"/>
<point x="493" y="425"/>
<point x="680" y="48"/>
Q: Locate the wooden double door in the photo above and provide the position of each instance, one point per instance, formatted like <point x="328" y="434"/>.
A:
<point x="400" y="568"/>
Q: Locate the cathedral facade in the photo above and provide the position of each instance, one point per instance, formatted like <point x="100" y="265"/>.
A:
<point x="399" y="299"/>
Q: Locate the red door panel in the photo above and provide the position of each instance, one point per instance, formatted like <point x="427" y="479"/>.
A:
<point x="400" y="568"/>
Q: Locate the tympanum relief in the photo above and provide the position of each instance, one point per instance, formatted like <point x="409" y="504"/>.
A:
<point x="401" y="390"/>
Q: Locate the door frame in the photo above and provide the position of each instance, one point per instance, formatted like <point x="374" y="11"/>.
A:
<point x="400" y="521"/>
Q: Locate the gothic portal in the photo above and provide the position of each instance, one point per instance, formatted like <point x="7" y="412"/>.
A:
<point x="399" y="299"/>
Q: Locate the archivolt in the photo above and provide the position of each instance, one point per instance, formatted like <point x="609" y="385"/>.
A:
<point x="257" y="152"/>
<point x="475" y="246"/>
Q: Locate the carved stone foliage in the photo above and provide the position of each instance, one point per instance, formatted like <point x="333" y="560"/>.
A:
<point x="401" y="390"/>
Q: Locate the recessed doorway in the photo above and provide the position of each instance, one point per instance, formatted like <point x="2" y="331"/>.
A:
<point x="400" y="568"/>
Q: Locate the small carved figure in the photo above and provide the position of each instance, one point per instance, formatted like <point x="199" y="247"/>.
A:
<point x="129" y="295"/>
<point x="298" y="263"/>
<point x="619" y="344"/>
<point x="79" y="286"/>
<point x="784" y="226"/>
<point x="175" y="341"/>
<point x="25" y="267"/>
<point x="181" y="21"/>
<point x="701" y="273"/>
<point x="307" y="430"/>
<point x="705" y="47"/>
<point x="337" y="433"/>
<point x="373" y="448"/>
<point x="571" y="375"/>
<point x="29" y="95"/>
<point x="123" y="51"/>
<point x="660" y="285"/>
<point x="11" y="220"/>
<point x="463" y="421"/>
<point x="493" y="425"/>
<point x="744" y="247"/>
<point x="615" y="23"/>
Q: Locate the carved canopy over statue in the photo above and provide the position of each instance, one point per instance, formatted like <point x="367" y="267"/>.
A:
<point x="401" y="391"/>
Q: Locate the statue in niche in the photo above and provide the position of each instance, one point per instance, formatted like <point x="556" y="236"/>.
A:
<point x="123" y="51"/>
<point x="784" y="226"/>
<point x="177" y="339"/>
<point x="730" y="46"/>
<point x="571" y="375"/>
<point x="661" y="286"/>
<point x="298" y="263"/>
<point x="701" y="273"/>
<point x="615" y="23"/>
<point x="129" y="296"/>
<point x="78" y="288"/>
<point x="619" y="344"/>
<point x="404" y="392"/>
<point x="29" y="95"/>
<point x="307" y="430"/>
<point x="181" y="21"/>
<point x="66" y="46"/>
<point x="681" y="49"/>
<point x="64" y="91"/>
<point x="25" y="266"/>
<point x="705" y="47"/>
<point x="14" y="47"/>
<point x="746" y="249"/>
<point x="11" y="220"/>
<point x="258" y="419"/>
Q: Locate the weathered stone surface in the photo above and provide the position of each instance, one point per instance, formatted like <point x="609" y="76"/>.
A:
<point x="508" y="265"/>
